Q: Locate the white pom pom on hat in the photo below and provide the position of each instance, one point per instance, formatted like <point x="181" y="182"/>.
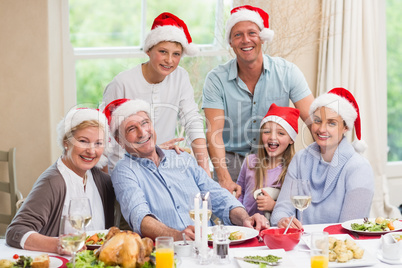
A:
<point x="341" y="101"/>
<point x="168" y="27"/>
<point x="253" y="14"/>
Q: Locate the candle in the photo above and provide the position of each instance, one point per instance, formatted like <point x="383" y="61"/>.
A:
<point x="204" y="237"/>
<point x="197" y="221"/>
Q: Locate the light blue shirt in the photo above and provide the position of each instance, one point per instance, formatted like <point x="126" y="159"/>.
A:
<point x="223" y="89"/>
<point x="340" y="190"/>
<point x="164" y="192"/>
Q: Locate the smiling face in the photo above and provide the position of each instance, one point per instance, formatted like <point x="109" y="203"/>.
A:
<point x="245" y="41"/>
<point x="275" y="139"/>
<point x="328" y="128"/>
<point x="84" y="149"/>
<point x="164" y="58"/>
<point x="137" y="136"/>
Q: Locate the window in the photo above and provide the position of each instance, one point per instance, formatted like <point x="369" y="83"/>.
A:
<point x="394" y="79"/>
<point x="106" y="37"/>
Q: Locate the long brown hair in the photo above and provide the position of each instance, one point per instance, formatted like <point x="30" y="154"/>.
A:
<point x="264" y="159"/>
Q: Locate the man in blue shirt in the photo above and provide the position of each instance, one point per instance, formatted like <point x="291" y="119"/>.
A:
<point x="154" y="186"/>
<point x="238" y="94"/>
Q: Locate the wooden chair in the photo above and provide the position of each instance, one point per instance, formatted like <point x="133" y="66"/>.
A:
<point x="11" y="186"/>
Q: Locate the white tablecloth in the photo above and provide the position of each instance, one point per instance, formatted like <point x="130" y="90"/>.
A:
<point x="298" y="257"/>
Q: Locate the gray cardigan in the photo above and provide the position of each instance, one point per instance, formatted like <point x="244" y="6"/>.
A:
<point x="42" y="209"/>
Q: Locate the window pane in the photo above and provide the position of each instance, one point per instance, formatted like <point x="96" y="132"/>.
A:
<point x="105" y="23"/>
<point x="201" y="24"/>
<point x="394" y="77"/>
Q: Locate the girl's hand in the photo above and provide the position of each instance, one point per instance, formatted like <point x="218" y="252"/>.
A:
<point x="265" y="202"/>
<point x="283" y="223"/>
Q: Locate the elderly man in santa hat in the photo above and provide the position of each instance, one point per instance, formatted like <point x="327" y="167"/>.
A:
<point x="237" y="95"/>
<point x="154" y="186"/>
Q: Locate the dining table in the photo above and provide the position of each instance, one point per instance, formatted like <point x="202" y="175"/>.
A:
<point x="299" y="257"/>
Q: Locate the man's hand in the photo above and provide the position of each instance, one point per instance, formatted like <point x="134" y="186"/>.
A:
<point x="172" y="145"/>
<point x="257" y="221"/>
<point x="283" y="223"/>
<point x="265" y="201"/>
<point x="189" y="232"/>
<point x="231" y="186"/>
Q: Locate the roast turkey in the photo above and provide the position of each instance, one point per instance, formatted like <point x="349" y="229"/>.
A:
<point x="124" y="248"/>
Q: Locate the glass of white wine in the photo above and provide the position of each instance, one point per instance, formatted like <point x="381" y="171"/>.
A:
<point x="80" y="207"/>
<point x="72" y="234"/>
<point x="300" y="195"/>
<point x="202" y="196"/>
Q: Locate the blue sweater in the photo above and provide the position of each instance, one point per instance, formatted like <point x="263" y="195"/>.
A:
<point x="341" y="190"/>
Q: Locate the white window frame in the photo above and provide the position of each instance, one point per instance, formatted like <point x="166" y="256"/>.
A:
<point x="71" y="54"/>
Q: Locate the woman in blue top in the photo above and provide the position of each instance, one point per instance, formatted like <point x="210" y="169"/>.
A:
<point x="342" y="180"/>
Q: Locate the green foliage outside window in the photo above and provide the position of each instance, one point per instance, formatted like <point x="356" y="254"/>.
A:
<point x="394" y="77"/>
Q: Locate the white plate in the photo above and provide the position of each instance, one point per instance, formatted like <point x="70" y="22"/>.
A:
<point x="367" y="260"/>
<point x="54" y="262"/>
<point x="91" y="233"/>
<point x="348" y="226"/>
<point x="242" y="252"/>
<point x="249" y="233"/>
<point x="393" y="262"/>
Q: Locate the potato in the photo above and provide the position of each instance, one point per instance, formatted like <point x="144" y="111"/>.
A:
<point x="358" y="253"/>
<point x="6" y="264"/>
<point x="379" y="220"/>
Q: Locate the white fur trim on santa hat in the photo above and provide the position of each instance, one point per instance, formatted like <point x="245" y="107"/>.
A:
<point x="127" y="109"/>
<point x="77" y="116"/>
<point x="339" y="105"/>
<point x="279" y="120"/>
<point x="172" y="34"/>
<point x="74" y="118"/>
<point x="248" y="15"/>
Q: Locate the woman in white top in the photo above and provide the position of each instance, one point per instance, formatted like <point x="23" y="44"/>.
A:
<point x="166" y="86"/>
<point x="81" y="135"/>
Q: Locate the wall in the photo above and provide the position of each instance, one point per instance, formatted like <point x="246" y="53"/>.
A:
<point x="27" y="86"/>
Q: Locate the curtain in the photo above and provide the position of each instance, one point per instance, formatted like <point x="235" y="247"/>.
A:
<point x="353" y="55"/>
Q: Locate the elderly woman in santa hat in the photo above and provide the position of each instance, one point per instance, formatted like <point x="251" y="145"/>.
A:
<point x="166" y="86"/>
<point x="82" y="135"/>
<point x="341" y="179"/>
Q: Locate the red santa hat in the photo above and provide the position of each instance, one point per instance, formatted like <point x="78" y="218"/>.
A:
<point x="168" y="27"/>
<point x="342" y="102"/>
<point x="75" y="117"/>
<point x="253" y="14"/>
<point x="118" y="110"/>
<point x="285" y="116"/>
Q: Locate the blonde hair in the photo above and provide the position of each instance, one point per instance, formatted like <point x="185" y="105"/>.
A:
<point x="262" y="164"/>
<point x="85" y="124"/>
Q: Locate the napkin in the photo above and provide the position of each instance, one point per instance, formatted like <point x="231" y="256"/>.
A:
<point x="338" y="229"/>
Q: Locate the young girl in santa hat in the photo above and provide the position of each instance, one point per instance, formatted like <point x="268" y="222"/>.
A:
<point x="341" y="179"/>
<point x="166" y="86"/>
<point x="263" y="174"/>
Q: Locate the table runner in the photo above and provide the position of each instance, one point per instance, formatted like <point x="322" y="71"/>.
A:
<point x="249" y="243"/>
<point x="338" y="229"/>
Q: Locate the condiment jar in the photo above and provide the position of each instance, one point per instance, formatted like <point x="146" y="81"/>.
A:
<point x="221" y="244"/>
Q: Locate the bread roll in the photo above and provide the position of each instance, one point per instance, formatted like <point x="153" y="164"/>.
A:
<point x="41" y="261"/>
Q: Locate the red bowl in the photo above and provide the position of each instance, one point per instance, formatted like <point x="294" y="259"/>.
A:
<point x="274" y="238"/>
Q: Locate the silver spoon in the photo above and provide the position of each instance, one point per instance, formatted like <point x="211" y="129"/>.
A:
<point x="291" y="219"/>
<point x="184" y="239"/>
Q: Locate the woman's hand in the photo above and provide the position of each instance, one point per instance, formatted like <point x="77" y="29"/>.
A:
<point x="283" y="223"/>
<point x="172" y="145"/>
<point x="265" y="202"/>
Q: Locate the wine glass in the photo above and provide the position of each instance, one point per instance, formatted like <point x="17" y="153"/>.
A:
<point x="202" y="196"/>
<point x="72" y="234"/>
<point x="300" y="195"/>
<point x="80" y="207"/>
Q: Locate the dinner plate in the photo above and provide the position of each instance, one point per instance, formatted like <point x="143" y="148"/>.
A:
<point x="260" y="252"/>
<point x="249" y="233"/>
<point x="55" y="262"/>
<point x="348" y="226"/>
<point x="367" y="260"/>
<point x="91" y="233"/>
